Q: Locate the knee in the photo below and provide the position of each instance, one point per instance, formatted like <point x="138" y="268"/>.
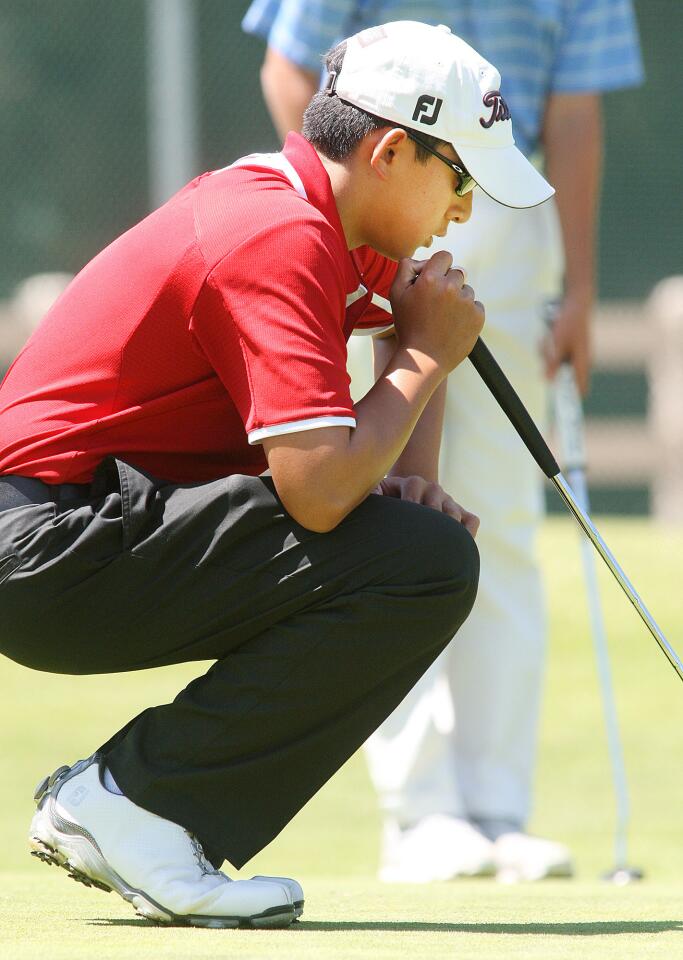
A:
<point x="450" y="553"/>
<point x="453" y="597"/>
<point x="441" y="561"/>
<point x="441" y="547"/>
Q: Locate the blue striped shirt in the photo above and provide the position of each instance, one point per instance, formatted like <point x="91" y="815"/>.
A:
<point x="538" y="46"/>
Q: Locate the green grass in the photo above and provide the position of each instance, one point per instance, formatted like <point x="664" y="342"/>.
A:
<point x="332" y="845"/>
<point x="360" y="918"/>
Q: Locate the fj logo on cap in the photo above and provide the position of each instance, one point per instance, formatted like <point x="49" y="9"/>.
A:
<point x="499" y="108"/>
<point x="427" y="109"/>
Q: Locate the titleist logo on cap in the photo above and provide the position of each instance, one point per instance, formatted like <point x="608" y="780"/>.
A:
<point x="499" y="108"/>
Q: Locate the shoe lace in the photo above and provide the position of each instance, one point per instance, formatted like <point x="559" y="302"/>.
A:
<point x="200" y="857"/>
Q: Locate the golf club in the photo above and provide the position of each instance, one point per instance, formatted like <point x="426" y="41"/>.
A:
<point x="569" y="424"/>
<point x="502" y="390"/>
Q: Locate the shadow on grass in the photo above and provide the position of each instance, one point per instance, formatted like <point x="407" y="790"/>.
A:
<point x="597" y="928"/>
<point x="592" y="929"/>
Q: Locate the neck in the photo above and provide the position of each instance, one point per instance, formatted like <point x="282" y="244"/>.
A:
<point x="347" y="191"/>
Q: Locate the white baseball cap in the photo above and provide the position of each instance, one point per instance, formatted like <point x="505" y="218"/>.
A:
<point x="427" y="79"/>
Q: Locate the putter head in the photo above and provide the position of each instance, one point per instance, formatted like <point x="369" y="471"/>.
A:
<point x="621" y="876"/>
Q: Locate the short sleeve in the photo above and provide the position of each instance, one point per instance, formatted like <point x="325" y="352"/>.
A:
<point x="269" y="320"/>
<point x="598" y="48"/>
<point x="301" y="30"/>
<point x="378" y="274"/>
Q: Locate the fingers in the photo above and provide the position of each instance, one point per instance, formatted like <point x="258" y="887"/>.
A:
<point x="455" y="277"/>
<point x="441" y="265"/>
<point x="438" y="265"/>
<point x="408" y="271"/>
<point x="569" y="341"/>
<point x="418" y="490"/>
<point x="467" y="293"/>
<point x="550" y="356"/>
<point x="471" y="522"/>
<point x="581" y="363"/>
<point x="554" y="357"/>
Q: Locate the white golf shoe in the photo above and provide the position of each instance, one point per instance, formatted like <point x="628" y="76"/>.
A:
<point x="104" y="840"/>
<point x="521" y="856"/>
<point x="438" y="847"/>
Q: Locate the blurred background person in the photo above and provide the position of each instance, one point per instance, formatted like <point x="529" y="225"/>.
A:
<point x="453" y="766"/>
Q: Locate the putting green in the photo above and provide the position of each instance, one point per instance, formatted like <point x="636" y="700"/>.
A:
<point x="359" y="918"/>
<point x="332" y="845"/>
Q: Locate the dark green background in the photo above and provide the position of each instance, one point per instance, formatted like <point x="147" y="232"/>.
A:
<point x="73" y="168"/>
<point x="73" y="163"/>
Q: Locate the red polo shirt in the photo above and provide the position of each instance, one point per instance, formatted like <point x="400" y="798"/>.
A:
<point x="220" y="319"/>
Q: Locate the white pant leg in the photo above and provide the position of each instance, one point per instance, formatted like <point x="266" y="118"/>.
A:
<point x="463" y="741"/>
<point x="410" y="753"/>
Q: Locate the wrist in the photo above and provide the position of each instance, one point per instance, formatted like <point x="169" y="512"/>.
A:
<point x="580" y="294"/>
<point x="419" y="362"/>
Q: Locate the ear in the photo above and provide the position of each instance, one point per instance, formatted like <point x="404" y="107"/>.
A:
<point x="385" y="150"/>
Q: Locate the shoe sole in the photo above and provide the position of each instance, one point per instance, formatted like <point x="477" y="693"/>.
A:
<point x="86" y="865"/>
<point x="294" y="889"/>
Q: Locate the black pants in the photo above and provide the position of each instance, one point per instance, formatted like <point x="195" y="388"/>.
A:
<point x="316" y="637"/>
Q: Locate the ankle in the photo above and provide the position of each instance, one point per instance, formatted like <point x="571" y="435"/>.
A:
<point x="109" y="783"/>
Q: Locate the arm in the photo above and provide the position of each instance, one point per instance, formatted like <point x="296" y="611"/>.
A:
<point x="572" y="138"/>
<point x="321" y="475"/>
<point x="415" y="475"/>
<point x="420" y="456"/>
<point x="287" y="90"/>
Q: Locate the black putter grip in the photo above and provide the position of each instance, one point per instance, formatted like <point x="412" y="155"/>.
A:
<point x="487" y="367"/>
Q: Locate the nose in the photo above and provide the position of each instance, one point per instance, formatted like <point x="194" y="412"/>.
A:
<point x="461" y="208"/>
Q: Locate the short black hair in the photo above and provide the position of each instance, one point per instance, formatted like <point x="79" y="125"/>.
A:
<point x="335" y="127"/>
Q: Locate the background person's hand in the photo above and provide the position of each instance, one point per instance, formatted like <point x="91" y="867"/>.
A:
<point x="429" y="494"/>
<point x="569" y="340"/>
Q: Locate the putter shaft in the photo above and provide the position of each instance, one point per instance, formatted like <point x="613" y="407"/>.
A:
<point x="488" y="369"/>
<point x="589" y="529"/>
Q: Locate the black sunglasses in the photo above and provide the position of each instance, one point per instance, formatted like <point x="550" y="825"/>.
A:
<point x="466" y="182"/>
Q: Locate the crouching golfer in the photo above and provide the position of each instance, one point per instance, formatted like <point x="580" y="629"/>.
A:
<point x="138" y="525"/>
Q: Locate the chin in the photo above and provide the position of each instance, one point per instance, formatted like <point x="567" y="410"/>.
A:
<point x="390" y="254"/>
<point x="396" y="253"/>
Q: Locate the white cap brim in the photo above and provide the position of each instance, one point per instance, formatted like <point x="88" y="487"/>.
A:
<point x="506" y="175"/>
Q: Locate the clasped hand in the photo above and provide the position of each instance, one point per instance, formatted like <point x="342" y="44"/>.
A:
<point x="429" y="494"/>
<point x="434" y="309"/>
